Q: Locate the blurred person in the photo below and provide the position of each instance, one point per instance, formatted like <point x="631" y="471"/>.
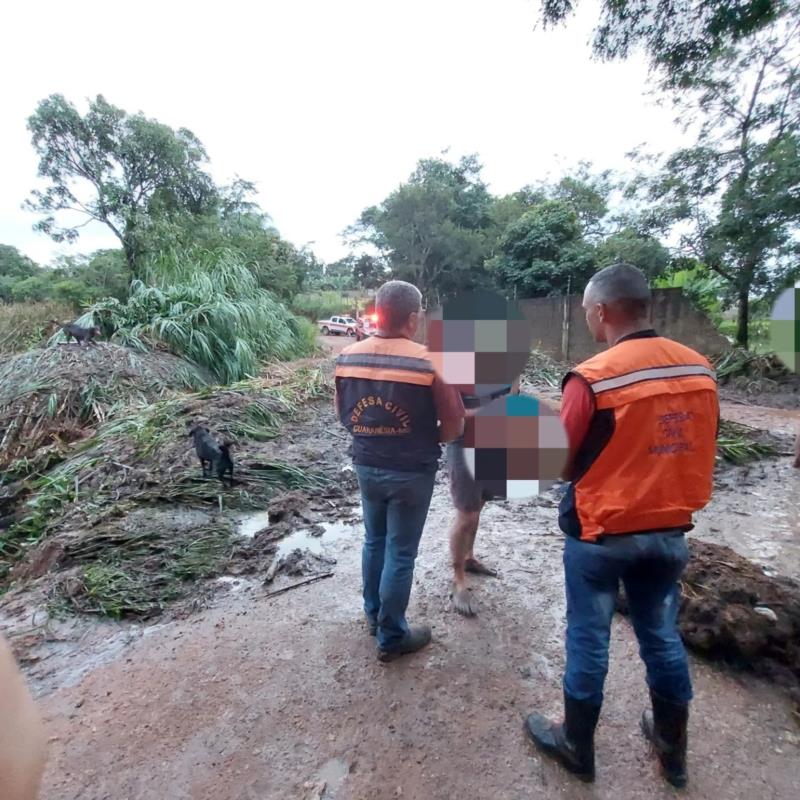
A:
<point x="468" y="501"/>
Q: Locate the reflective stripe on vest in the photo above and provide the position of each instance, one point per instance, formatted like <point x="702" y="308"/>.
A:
<point x="647" y="461"/>
<point x="649" y="374"/>
<point x="386" y="402"/>
<point x="386" y="367"/>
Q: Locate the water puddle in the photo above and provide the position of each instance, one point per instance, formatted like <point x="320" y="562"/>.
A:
<point x="233" y="584"/>
<point x="248" y="525"/>
<point x="758" y="517"/>
<point x="305" y="539"/>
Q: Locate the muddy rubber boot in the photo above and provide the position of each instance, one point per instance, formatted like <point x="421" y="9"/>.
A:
<point x="418" y="636"/>
<point x="572" y="742"/>
<point x="665" y="726"/>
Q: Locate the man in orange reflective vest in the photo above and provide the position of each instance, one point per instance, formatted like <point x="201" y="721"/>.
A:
<point x="642" y="420"/>
<point x="398" y="410"/>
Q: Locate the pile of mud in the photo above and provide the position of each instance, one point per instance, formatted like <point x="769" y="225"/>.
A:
<point x="56" y="395"/>
<point x="732" y="612"/>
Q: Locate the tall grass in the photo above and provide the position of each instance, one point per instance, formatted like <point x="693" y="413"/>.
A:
<point x="207" y="307"/>
<point x="26" y="325"/>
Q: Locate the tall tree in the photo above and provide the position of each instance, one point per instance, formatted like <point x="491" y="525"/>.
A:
<point x="14" y="268"/>
<point x="435" y="229"/>
<point x="115" y="168"/>
<point x="632" y="247"/>
<point x="369" y="272"/>
<point x="544" y="252"/>
<point x="733" y="195"/>
<point x="681" y="37"/>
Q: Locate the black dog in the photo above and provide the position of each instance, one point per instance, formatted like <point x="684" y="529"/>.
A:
<point x="78" y="332"/>
<point x="214" y="456"/>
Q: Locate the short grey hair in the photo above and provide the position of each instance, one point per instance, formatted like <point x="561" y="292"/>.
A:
<point x="395" y="302"/>
<point x="622" y="285"/>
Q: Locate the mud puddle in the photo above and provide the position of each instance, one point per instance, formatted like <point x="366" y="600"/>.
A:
<point x="756" y="511"/>
<point x="313" y="540"/>
<point x="248" y="525"/>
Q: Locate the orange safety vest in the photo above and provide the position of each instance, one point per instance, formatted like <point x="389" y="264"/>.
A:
<point x="647" y="461"/>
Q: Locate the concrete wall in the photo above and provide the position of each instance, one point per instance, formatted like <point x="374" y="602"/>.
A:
<point x="559" y="326"/>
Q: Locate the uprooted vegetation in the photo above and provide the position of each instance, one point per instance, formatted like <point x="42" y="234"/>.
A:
<point x="757" y="377"/>
<point x="54" y="396"/>
<point x="116" y="522"/>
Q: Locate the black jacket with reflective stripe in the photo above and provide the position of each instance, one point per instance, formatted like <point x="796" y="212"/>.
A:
<point x="386" y="402"/>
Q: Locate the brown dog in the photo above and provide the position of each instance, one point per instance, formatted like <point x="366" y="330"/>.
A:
<point x="22" y="738"/>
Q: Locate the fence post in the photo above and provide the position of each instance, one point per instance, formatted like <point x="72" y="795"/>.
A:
<point x="565" y="325"/>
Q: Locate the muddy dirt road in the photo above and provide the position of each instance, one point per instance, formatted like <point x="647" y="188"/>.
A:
<point x="334" y="344"/>
<point x="261" y="698"/>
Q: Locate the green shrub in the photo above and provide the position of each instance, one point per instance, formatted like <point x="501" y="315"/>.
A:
<point x="207" y="307"/>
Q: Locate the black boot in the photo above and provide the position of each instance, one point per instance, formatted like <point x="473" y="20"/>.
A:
<point x="571" y="742"/>
<point x="665" y="727"/>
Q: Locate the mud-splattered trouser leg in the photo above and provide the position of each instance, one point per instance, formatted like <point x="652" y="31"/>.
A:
<point x="395" y="508"/>
<point x="649" y="564"/>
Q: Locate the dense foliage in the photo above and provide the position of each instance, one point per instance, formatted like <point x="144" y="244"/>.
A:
<point x="207" y="307"/>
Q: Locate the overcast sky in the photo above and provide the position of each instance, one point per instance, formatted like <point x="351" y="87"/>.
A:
<point x="326" y="105"/>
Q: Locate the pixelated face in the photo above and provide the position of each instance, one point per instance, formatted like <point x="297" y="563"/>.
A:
<point x="784" y="328"/>
<point x="515" y="447"/>
<point x="479" y="341"/>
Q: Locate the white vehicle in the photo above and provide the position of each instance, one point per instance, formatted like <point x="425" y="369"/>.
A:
<point x="338" y="325"/>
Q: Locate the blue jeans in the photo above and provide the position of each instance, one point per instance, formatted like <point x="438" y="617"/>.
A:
<point x="395" y="508"/>
<point x="649" y="565"/>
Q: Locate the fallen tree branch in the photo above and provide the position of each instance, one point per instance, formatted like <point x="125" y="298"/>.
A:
<point x="312" y="579"/>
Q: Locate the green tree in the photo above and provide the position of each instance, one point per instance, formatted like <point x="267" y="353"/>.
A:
<point x="234" y="221"/>
<point x="339" y="275"/>
<point x="703" y="287"/>
<point x="681" y="37"/>
<point x="115" y="168"/>
<point x="15" y="264"/>
<point x="34" y="288"/>
<point x="632" y="247"/>
<point x="544" y="252"/>
<point x="369" y="272"/>
<point x="14" y="267"/>
<point x="733" y="195"/>
<point x="436" y="229"/>
<point x="588" y="193"/>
